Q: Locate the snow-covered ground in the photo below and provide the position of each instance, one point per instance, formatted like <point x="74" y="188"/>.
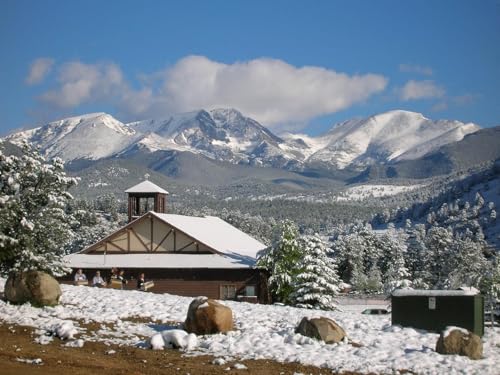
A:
<point x="361" y="192"/>
<point x="262" y="332"/>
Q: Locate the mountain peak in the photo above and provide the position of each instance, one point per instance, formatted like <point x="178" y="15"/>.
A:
<point x="84" y="117"/>
<point x="226" y="115"/>
<point x="398" y="115"/>
<point x="228" y="135"/>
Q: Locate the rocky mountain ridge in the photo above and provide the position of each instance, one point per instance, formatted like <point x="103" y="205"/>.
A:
<point x="226" y="135"/>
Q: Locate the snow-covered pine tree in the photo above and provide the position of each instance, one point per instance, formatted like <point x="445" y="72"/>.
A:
<point x="281" y="260"/>
<point x="90" y="226"/>
<point x="358" y="255"/>
<point x="417" y="257"/>
<point x="34" y="225"/>
<point x="490" y="286"/>
<point x="317" y="283"/>
<point x="479" y="200"/>
<point x="395" y="273"/>
<point x="469" y="264"/>
<point x="373" y="281"/>
<point x="439" y="242"/>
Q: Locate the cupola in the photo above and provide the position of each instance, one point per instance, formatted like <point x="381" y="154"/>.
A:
<point x="145" y="197"/>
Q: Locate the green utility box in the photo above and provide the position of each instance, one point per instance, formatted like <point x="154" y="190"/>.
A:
<point x="434" y="310"/>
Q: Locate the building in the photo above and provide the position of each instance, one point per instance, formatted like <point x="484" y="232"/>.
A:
<point x="184" y="255"/>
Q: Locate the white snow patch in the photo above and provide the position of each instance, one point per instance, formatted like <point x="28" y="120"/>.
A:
<point x="75" y="343"/>
<point x="36" y="361"/>
<point x="361" y="192"/>
<point x="175" y="338"/>
<point x="65" y="330"/>
<point x="44" y="339"/>
<point x="262" y="332"/>
<point x="450" y="329"/>
<point x="219" y="361"/>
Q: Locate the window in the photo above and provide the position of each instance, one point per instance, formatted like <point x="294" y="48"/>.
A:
<point x="227" y="291"/>
<point x="250" y="291"/>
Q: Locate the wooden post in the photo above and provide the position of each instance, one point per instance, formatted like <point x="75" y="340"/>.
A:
<point x="128" y="240"/>
<point x="175" y="240"/>
<point x="151" y="223"/>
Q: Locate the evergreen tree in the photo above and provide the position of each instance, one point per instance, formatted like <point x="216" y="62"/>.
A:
<point x="317" y="283"/>
<point x="469" y="264"/>
<point x="34" y="224"/>
<point x="417" y="257"/>
<point x="91" y="226"/>
<point x="373" y="281"/>
<point x="281" y="260"/>
<point x="359" y="255"/>
<point x="395" y="273"/>
<point x="439" y="242"/>
<point x="490" y="286"/>
<point x="479" y="200"/>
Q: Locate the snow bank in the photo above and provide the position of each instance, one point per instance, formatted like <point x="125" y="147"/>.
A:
<point x="65" y="330"/>
<point x="262" y="332"/>
<point x="173" y="339"/>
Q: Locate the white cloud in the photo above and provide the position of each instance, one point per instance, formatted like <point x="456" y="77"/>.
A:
<point x="39" y="69"/>
<point x="81" y="83"/>
<point x="413" y="68"/>
<point x="269" y="90"/>
<point x="415" y="90"/>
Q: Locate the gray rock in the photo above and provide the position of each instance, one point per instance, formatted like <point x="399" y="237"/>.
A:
<point x="38" y="288"/>
<point x="321" y="329"/>
<point x="207" y="316"/>
<point x="458" y="342"/>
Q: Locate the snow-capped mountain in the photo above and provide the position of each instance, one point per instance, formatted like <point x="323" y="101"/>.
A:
<point x="227" y="135"/>
<point x="92" y="136"/>
<point x="387" y="137"/>
<point x="221" y="134"/>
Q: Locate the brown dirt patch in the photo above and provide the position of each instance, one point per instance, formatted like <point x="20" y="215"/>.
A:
<point x="17" y="342"/>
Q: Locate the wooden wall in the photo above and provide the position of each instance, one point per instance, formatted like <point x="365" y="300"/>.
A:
<point x="192" y="282"/>
<point x="149" y="234"/>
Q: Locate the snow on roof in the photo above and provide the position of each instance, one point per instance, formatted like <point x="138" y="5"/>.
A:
<point x="215" y="233"/>
<point x="157" y="260"/>
<point x="146" y="187"/>
<point x="433" y="293"/>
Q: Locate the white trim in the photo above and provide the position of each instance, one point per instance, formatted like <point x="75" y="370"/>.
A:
<point x="156" y="260"/>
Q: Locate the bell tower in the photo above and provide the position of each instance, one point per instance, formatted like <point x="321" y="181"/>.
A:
<point x="145" y="197"/>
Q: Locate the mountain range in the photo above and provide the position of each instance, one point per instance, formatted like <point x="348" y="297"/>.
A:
<point x="226" y="135"/>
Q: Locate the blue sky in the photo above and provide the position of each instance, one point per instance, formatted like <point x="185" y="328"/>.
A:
<point x="289" y="64"/>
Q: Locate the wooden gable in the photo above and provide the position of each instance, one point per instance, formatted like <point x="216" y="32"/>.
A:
<point x="149" y="234"/>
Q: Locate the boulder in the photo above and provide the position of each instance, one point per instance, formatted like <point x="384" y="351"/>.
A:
<point x="459" y="341"/>
<point x="38" y="288"/>
<point x="321" y="329"/>
<point x="207" y="316"/>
